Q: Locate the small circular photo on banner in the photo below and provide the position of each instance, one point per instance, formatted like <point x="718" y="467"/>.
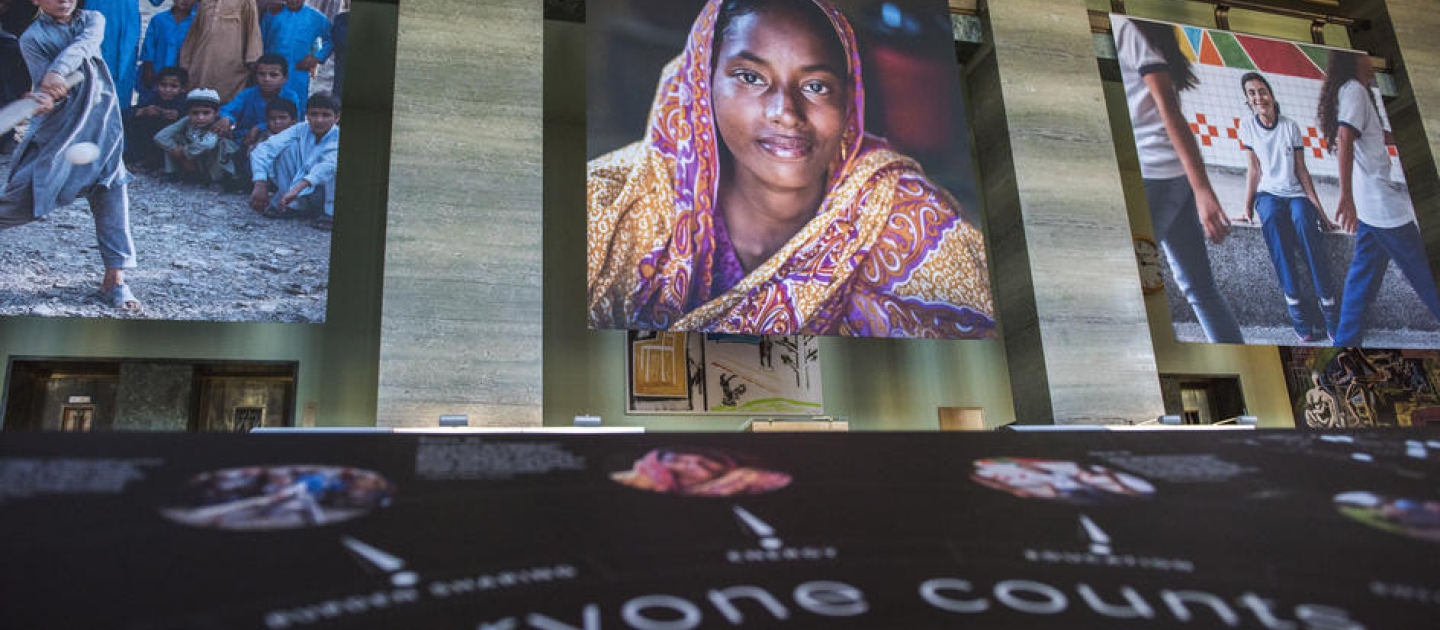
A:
<point x="1416" y="518"/>
<point x="1059" y="480"/>
<point x="279" y="497"/>
<point x="699" y="472"/>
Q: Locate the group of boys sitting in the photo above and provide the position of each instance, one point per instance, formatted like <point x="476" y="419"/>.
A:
<point x="257" y="139"/>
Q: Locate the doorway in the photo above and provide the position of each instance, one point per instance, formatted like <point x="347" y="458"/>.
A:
<point x="1203" y="398"/>
<point x="83" y="395"/>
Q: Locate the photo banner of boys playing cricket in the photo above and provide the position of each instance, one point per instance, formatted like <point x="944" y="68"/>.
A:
<point x="1274" y="190"/>
<point x="169" y="159"/>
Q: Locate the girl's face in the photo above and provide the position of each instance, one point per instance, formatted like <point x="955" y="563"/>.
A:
<point x="1258" y="95"/>
<point x="1364" y="70"/>
<point x="781" y="99"/>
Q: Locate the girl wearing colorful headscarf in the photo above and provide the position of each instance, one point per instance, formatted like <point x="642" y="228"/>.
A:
<point x="757" y="203"/>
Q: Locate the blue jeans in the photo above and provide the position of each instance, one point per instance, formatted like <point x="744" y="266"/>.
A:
<point x="1288" y="223"/>
<point x="1177" y="222"/>
<point x="1374" y="249"/>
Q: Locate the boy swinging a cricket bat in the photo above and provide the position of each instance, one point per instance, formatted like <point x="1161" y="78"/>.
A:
<point x="49" y="171"/>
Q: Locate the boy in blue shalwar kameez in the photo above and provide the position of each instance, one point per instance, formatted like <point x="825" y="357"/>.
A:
<point x="161" y="47"/>
<point x="291" y="33"/>
<point x="59" y="42"/>
<point x="121" y="41"/>
<point x="294" y="171"/>
<point x="246" y="111"/>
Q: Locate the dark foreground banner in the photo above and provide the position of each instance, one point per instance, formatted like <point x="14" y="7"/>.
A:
<point x="1092" y="530"/>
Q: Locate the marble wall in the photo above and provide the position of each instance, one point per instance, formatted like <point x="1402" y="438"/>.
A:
<point x="153" y="397"/>
<point x="461" y="313"/>
<point x="1074" y="320"/>
<point x="1403" y="32"/>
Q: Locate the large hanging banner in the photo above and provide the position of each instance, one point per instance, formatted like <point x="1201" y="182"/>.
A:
<point x="781" y="168"/>
<point x="196" y="155"/>
<point x="1242" y="529"/>
<point x="1275" y="191"/>
<point x="678" y="372"/>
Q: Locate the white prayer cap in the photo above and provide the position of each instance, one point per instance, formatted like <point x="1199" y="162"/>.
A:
<point x="202" y="95"/>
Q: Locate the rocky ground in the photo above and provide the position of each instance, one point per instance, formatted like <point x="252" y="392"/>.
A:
<point x="204" y="255"/>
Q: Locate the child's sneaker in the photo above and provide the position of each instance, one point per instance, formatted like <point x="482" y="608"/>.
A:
<point x="1300" y="323"/>
<point x="1331" y="312"/>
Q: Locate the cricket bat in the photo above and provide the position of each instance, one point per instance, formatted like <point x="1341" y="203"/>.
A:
<point x="22" y="109"/>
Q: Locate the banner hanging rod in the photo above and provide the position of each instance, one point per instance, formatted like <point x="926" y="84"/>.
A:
<point x="1313" y="16"/>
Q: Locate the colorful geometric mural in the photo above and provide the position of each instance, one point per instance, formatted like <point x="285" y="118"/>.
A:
<point x="1247" y="52"/>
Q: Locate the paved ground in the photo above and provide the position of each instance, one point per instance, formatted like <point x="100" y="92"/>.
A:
<point x="1246" y="277"/>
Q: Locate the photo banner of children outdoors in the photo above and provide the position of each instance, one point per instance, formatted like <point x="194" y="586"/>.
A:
<point x="781" y="167"/>
<point x="1275" y="190"/>
<point x="181" y="160"/>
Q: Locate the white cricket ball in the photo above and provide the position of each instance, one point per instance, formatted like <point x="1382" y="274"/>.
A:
<point x="82" y="152"/>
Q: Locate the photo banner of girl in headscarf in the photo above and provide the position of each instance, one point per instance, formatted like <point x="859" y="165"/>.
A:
<point x="1275" y="190"/>
<point x="781" y="167"/>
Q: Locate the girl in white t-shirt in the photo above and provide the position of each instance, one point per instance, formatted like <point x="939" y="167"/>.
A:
<point x="1372" y="205"/>
<point x="1184" y="210"/>
<point x="1279" y="188"/>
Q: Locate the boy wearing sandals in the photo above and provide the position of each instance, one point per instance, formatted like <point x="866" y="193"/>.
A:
<point x="62" y="41"/>
<point x="294" y="171"/>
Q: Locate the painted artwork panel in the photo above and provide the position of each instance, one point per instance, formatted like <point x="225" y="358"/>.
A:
<point x="659" y="365"/>
<point x="878" y="230"/>
<point x="653" y="384"/>
<point x="734" y="374"/>
<point x="760" y="374"/>
<point x="1336" y="388"/>
<point x="1262" y="247"/>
